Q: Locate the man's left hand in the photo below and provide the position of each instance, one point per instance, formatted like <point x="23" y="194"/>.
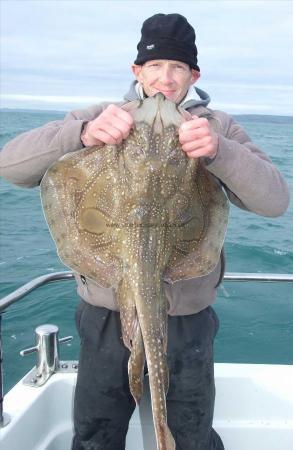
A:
<point x="198" y="139"/>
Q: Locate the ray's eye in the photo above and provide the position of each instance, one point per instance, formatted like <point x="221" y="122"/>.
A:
<point x="138" y="153"/>
<point x="176" y="158"/>
<point x="173" y="161"/>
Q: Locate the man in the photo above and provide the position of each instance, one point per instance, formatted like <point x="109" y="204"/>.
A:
<point x="167" y="63"/>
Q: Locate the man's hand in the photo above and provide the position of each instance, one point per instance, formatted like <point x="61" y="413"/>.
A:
<point x="198" y="139"/>
<point x="110" y="127"/>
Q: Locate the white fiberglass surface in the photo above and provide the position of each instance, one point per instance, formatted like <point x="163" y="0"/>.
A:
<point x="254" y="409"/>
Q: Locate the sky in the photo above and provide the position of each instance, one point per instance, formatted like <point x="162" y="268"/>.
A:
<point x="69" y="54"/>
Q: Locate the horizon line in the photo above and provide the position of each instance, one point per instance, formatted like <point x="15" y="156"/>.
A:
<point x="65" y="103"/>
<point x="64" y="111"/>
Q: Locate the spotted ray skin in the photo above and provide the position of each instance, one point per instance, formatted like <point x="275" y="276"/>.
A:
<point x="128" y="216"/>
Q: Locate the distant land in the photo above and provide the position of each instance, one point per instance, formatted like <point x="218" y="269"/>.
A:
<point x="246" y="117"/>
<point x="33" y="110"/>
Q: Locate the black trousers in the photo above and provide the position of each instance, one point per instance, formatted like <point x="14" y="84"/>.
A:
<point x="103" y="404"/>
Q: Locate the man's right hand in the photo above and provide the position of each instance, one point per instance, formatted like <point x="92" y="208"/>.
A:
<point x="110" y="127"/>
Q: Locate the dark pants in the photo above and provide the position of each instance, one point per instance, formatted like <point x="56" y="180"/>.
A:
<point x="103" y="404"/>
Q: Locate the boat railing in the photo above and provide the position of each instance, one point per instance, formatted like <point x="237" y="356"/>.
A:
<point x="42" y="280"/>
<point x="24" y="290"/>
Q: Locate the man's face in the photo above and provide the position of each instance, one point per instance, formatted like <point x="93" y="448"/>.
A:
<point x="172" y="78"/>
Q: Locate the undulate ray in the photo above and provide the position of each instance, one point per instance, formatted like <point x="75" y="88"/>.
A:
<point x="128" y="216"/>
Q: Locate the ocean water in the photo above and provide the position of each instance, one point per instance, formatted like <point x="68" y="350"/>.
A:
<point x="256" y="318"/>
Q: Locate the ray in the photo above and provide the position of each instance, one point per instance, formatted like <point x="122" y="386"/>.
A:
<point x="131" y="215"/>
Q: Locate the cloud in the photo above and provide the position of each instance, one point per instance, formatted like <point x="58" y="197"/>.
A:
<point x="59" y="49"/>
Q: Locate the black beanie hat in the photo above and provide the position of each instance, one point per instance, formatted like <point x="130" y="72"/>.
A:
<point x="167" y="36"/>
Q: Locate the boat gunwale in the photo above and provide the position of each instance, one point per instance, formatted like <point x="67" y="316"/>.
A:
<point x="42" y="280"/>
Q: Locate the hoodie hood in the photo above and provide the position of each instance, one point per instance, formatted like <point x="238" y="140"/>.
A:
<point x="194" y="97"/>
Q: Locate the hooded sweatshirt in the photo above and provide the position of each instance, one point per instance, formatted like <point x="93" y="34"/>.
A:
<point x="247" y="175"/>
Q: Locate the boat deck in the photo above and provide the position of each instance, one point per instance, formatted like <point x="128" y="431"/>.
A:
<point x="254" y="411"/>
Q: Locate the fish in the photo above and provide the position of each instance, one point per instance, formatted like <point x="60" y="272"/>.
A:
<point x="134" y="215"/>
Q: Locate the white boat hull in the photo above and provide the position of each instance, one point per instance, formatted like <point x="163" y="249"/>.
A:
<point x="254" y="411"/>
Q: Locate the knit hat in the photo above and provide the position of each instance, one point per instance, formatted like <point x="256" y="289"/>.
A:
<point x="167" y="36"/>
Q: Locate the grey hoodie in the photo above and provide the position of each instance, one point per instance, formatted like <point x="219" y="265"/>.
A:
<point x="247" y="175"/>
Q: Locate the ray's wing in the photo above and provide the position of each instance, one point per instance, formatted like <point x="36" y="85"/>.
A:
<point x="202" y="233"/>
<point x="77" y="198"/>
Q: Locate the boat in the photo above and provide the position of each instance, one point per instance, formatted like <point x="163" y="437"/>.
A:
<point x="254" y="402"/>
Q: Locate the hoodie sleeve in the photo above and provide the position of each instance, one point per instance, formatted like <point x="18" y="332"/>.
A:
<point x="25" y="159"/>
<point x="249" y="177"/>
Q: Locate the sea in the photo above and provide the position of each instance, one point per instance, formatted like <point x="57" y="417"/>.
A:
<point x="256" y="319"/>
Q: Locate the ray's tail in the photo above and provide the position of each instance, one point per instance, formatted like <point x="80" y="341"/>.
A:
<point x="154" y="332"/>
<point x="144" y="327"/>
